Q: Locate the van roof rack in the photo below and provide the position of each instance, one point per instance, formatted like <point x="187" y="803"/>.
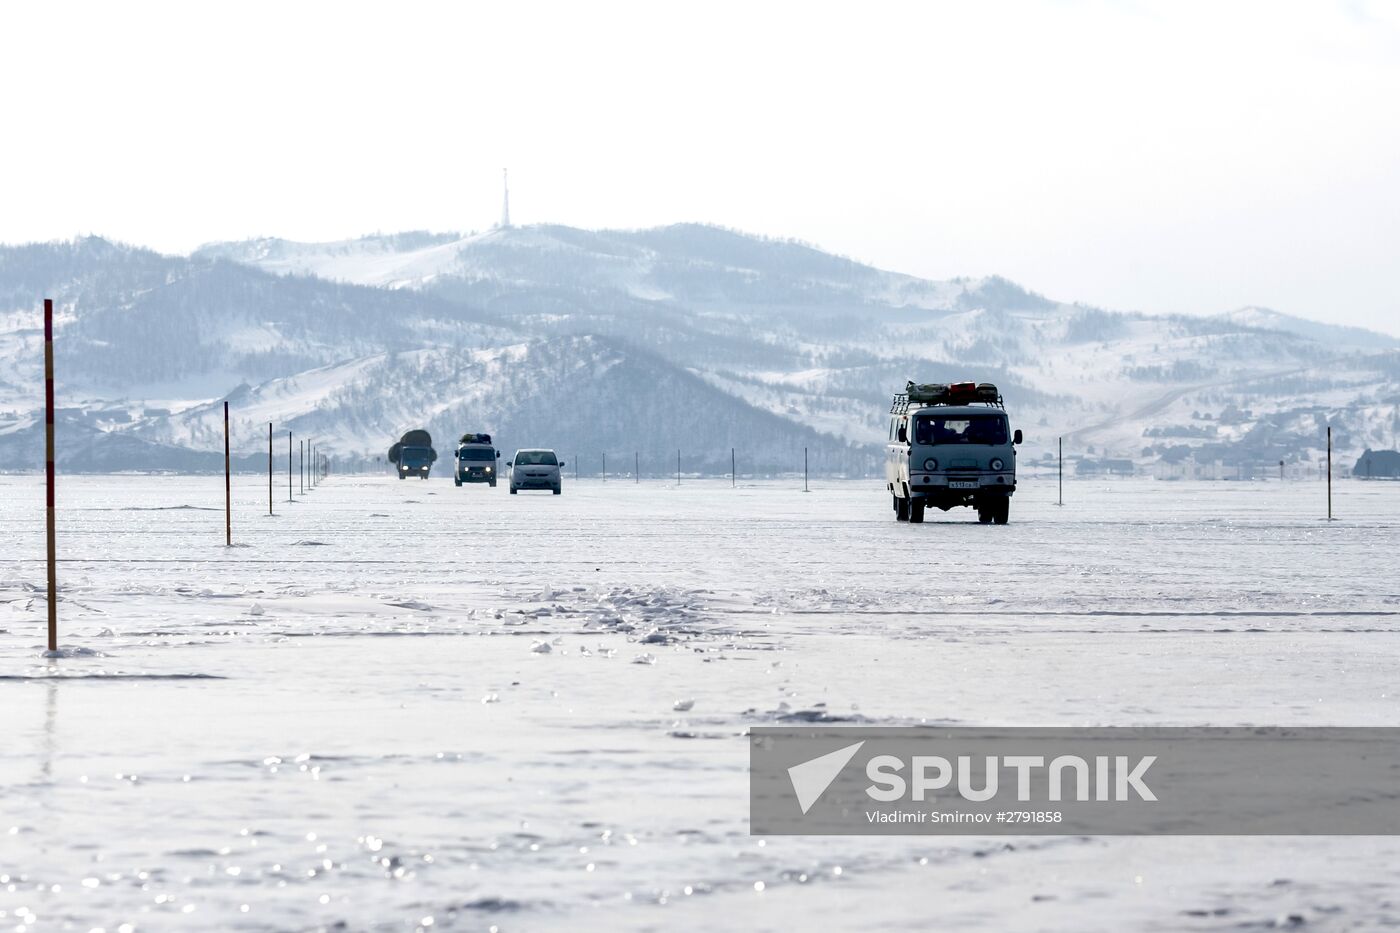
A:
<point x="938" y="393"/>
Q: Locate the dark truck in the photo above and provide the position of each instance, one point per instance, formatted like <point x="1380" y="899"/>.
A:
<point x="413" y="454"/>
<point x="475" y="460"/>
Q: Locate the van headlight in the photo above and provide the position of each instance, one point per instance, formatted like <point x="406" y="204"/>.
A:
<point x="930" y="464"/>
<point x="488" y="469"/>
<point x="997" y="463"/>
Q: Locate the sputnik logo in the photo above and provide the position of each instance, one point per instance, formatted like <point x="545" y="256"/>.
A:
<point x="811" y="778"/>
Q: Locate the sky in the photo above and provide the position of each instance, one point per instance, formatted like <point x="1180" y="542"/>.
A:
<point x="1164" y="157"/>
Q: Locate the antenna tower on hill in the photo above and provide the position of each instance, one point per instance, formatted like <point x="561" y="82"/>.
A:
<point x="505" y="200"/>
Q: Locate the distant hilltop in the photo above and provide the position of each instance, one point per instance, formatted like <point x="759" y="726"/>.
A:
<point x="687" y="336"/>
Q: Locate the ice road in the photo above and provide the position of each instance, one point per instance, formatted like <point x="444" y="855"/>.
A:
<point x="405" y="705"/>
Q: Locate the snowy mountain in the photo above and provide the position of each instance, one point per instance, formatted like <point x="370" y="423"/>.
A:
<point x="627" y="343"/>
<point x="1327" y="334"/>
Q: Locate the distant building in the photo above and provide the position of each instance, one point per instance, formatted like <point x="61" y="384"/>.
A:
<point x="1378" y="464"/>
<point x="1187" y="468"/>
<point x="1181" y="463"/>
<point x="1105" y="467"/>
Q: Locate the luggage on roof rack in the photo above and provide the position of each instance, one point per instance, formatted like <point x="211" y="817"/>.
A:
<point x="935" y="392"/>
<point x="940" y="393"/>
<point x="476" y="439"/>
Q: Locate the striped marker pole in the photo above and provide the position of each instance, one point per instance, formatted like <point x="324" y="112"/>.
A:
<point x="1329" y="472"/>
<point x="1062" y="472"/>
<point x="49" y="474"/>
<point x="228" y="488"/>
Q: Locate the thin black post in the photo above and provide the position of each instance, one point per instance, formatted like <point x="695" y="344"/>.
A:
<point x="301" y="468"/>
<point x="733" y="480"/>
<point x="605" y="468"/>
<point x="289" y="466"/>
<point x="269" y="468"/>
<point x="637" y="466"/>
<point x="1329" y="472"/>
<point x="1062" y="472"/>
<point x="805" y="474"/>
<point x="1280" y="471"/>
<point x="678" y="466"/>
<point x="228" y="488"/>
<point x="50" y="536"/>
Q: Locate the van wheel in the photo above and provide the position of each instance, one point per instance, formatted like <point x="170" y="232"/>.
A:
<point x="512" y="490"/>
<point x="1002" y="513"/>
<point x="558" y="491"/>
<point x="916" y="511"/>
<point x="493" y="484"/>
<point x="901" y="509"/>
<point x="457" y="483"/>
<point x="984" y="515"/>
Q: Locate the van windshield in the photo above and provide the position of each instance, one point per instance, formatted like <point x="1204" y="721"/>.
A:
<point x="960" y="429"/>
<point x="415" y="455"/>
<point x="476" y="453"/>
<point x="536" y="458"/>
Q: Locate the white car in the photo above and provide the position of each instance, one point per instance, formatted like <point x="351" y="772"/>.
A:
<point x="535" y="469"/>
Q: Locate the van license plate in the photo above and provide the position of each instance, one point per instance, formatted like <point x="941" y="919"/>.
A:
<point x="962" y="484"/>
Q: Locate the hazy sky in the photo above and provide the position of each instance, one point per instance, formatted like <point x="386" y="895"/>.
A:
<point x="1169" y="156"/>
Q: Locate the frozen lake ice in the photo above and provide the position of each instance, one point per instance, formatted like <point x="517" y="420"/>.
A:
<point x="402" y="705"/>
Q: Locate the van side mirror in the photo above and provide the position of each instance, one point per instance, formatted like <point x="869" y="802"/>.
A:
<point x="562" y="464"/>
<point x="1016" y="437"/>
<point x="498" y="455"/>
<point x="903" y="434"/>
<point x="507" y="463"/>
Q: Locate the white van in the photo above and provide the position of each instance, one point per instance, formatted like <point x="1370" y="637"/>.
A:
<point x="475" y="460"/>
<point x="951" y="445"/>
<point x="535" y="468"/>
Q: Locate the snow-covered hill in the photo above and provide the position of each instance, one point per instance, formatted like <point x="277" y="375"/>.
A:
<point x="618" y="342"/>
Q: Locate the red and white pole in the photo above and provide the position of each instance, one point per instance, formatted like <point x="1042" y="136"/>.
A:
<point x="49" y="473"/>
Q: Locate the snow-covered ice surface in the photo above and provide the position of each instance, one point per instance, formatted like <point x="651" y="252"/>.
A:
<point x="396" y="704"/>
